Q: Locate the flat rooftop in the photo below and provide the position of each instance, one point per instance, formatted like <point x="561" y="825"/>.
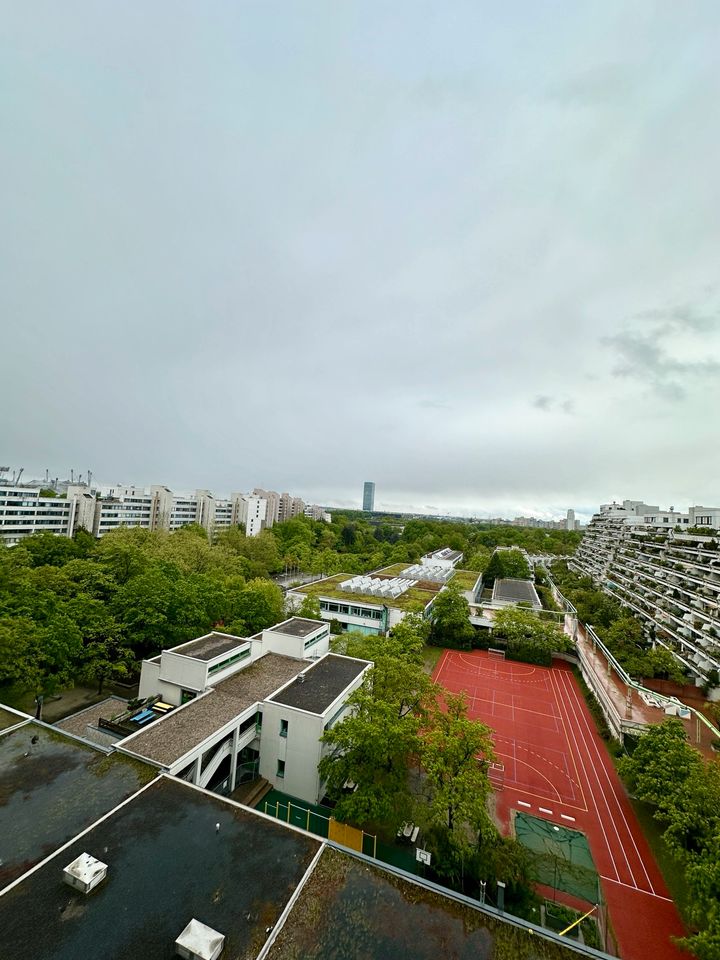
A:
<point x="9" y="719"/>
<point x="210" y="646"/>
<point x="52" y="789"/>
<point x="166" y="865"/>
<point x="369" y="913"/>
<point x="445" y="553"/>
<point x="172" y="736"/>
<point x="516" y="591"/>
<point x="321" y="684"/>
<point x="297" y="627"/>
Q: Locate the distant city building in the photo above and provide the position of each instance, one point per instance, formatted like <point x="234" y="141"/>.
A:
<point x="24" y="511"/>
<point x="316" y="512"/>
<point x="369" y="497"/>
<point x="570" y="522"/>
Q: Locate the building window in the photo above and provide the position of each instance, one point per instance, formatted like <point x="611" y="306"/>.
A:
<point x="281" y="769"/>
<point x="283" y="728"/>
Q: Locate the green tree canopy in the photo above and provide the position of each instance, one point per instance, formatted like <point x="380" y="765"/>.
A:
<point x="450" y="620"/>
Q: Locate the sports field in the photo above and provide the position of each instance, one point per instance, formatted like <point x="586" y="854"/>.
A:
<point x="557" y="767"/>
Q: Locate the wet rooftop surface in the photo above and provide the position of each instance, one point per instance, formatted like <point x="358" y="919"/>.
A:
<point x="297" y="627"/>
<point x="166" y="865"/>
<point x="209" y="647"/>
<point x="168" y="740"/>
<point x="322" y="684"/>
<point x="57" y="789"/>
<point x="350" y="910"/>
<point x="9" y="719"/>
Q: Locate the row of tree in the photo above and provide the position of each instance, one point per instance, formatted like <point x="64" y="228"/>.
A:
<point x="683" y="788"/>
<point x="617" y="627"/>
<point x="87" y="610"/>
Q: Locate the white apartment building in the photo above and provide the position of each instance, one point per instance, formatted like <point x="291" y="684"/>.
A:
<point x="670" y="580"/>
<point x="316" y="512"/>
<point x="224" y="709"/>
<point x="24" y="512"/>
<point x="249" y="511"/>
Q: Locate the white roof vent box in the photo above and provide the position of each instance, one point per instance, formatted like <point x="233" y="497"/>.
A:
<point x="85" y="873"/>
<point x="199" y="942"/>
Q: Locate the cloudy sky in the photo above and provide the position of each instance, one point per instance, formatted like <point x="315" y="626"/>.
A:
<point x="468" y="250"/>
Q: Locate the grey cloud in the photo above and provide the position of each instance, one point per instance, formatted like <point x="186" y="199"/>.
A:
<point x="604" y="84"/>
<point x="548" y="403"/>
<point x="644" y="359"/>
<point x="306" y="251"/>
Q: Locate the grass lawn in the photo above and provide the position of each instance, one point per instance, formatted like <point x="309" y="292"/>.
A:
<point x="465" y="579"/>
<point x="431" y="655"/>
<point x="670" y="866"/>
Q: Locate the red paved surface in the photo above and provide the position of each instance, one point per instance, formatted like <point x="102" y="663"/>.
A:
<point x="557" y="767"/>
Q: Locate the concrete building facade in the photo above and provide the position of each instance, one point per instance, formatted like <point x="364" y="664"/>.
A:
<point x="664" y="567"/>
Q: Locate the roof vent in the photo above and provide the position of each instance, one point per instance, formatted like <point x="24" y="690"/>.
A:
<point x="199" y="942"/>
<point x="301" y="678"/>
<point x="85" y="873"/>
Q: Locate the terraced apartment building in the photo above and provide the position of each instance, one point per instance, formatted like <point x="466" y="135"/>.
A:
<point x="664" y="566"/>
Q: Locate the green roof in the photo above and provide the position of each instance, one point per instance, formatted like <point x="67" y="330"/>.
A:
<point x="414" y="598"/>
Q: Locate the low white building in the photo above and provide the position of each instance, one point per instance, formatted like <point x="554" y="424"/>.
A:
<point x="229" y="708"/>
<point x="446" y="558"/>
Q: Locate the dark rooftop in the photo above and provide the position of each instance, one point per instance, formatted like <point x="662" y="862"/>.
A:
<point x="517" y="591"/>
<point x="171" y="737"/>
<point x="209" y="647"/>
<point x="9" y="719"/>
<point x="369" y="913"/>
<point x="166" y="865"/>
<point x="322" y="683"/>
<point x="297" y="626"/>
<point x="52" y="789"/>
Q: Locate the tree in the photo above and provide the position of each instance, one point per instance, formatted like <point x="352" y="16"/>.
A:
<point x="373" y="744"/>
<point x="260" y="605"/>
<point x="105" y="660"/>
<point x="309" y="608"/>
<point x="660" y="765"/>
<point x="405" y="642"/>
<point x="528" y="637"/>
<point x="455" y="754"/>
<point x="450" y="620"/>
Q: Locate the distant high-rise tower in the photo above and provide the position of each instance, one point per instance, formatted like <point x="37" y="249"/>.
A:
<point x="369" y="497"/>
<point x="570" y="523"/>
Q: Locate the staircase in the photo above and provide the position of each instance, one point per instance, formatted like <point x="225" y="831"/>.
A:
<point x="252" y="793"/>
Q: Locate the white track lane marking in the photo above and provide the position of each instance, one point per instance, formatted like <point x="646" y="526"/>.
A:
<point x="561" y="704"/>
<point x="614" y="794"/>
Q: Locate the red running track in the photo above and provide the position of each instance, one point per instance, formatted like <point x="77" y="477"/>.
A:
<point x="557" y="767"/>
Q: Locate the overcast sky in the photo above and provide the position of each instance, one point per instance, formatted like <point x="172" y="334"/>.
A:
<point x="467" y="250"/>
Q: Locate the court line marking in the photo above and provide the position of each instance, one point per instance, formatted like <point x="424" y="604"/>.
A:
<point x="545" y="810"/>
<point x="566" y="817"/>
<point x="514" y="669"/>
<point x="524" y="803"/>
<point x="539" y="773"/>
<point x="522" y="746"/>
<point x="597" y="811"/>
<point x="558" y="706"/>
<point x="612" y="794"/>
<point x="538" y="713"/>
<point x="647" y="893"/>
